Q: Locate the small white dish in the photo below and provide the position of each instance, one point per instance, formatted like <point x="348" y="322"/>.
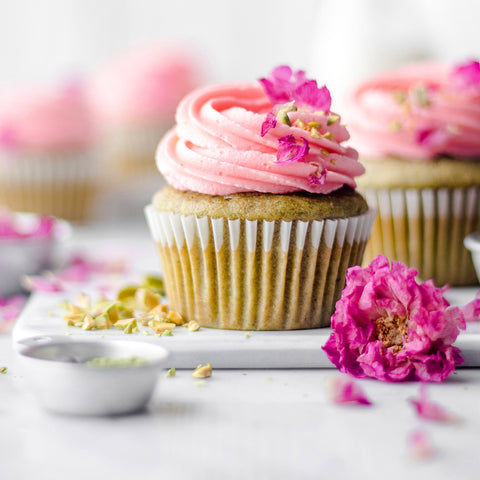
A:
<point x="29" y="255"/>
<point x="57" y="371"/>
<point x="472" y="243"/>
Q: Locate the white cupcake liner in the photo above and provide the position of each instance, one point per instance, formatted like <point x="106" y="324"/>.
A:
<point x="63" y="184"/>
<point x="256" y="275"/>
<point x="425" y="229"/>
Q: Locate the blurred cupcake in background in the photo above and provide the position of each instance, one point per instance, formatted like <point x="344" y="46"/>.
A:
<point x="135" y="97"/>
<point x="48" y="162"/>
<point x="418" y="133"/>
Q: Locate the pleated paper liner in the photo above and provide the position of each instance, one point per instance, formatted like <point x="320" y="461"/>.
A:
<point x="63" y="185"/>
<point x="256" y="275"/>
<point x="425" y="229"/>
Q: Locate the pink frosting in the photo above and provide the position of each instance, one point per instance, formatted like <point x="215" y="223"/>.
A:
<point x="216" y="147"/>
<point x="144" y="86"/>
<point x="417" y="112"/>
<point x="45" y="119"/>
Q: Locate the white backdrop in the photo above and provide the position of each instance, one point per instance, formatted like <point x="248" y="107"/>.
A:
<point x="338" y="41"/>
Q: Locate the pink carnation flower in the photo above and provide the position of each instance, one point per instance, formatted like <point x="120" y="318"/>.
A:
<point x="389" y="327"/>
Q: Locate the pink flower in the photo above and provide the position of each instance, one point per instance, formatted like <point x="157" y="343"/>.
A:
<point x="430" y="410"/>
<point x="283" y="85"/>
<point x="466" y="77"/>
<point x="345" y="390"/>
<point x="420" y="446"/>
<point x="37" y="283"/>
<point x="389" y="327"/>
<point x="318" y="178"/>
<point x="289" y="151"/>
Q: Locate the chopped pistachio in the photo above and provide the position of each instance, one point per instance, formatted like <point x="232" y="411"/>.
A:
<point x="193" y="326"/>
<point x="315" y="133"/>
<point x="145" y="332"/>
<point x="167" y="333"/>
<point x="3" y="370"/>
<point x="112" y="312"/>
<point x="160" y="308"/>
<point x="200" y="383"/>
<point x="129" y="325"/>
<point x="146" y="317"/>
<point x="127" y="293"/>
<point x="395" y="126"/>
<point x="159" y="326"/>
<point x="328" y="136"/>
<point x="315" y="125"/>
<point x="175" y="318"/>
<point x="171" y="372"/>
<point x="325" y="152"/>
<point x="282" y="116"/>
<point x="300" y="124"/>
<point x="247" y="335"/>
<point x="146" y="299"/>
<point x="399" y="96"/>
<point x="203" y="371"/>
<point x="88" y="323"/>
<point x="103" y="322"/>
<point x="332" y="119"/>
<point x="420" y="96"/>
<point x="333" y="162"/>
<point x="154" y="283"/>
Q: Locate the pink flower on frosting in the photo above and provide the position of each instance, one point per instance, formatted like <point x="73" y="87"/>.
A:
<point x="283" y="85"/>
<point x="429" y="410"/>
<point x="467" y="77"/>
<point x="289" y="151"/>
<point x="389" y="327"/>
<point x="345" y="390"/>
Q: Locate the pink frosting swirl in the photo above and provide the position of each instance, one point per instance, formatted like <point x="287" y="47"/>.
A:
<point x="420" y="111"/>
<point x="47" y="119"/>
<point x="217" y="148"/>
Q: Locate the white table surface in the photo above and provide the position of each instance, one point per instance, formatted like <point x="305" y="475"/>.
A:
<point x="245" y="424"/>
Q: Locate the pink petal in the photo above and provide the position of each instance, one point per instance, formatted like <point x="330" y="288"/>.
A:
<point x="467" y="76"/>
<point x="269" y="123"/>
<point x="308" y="94"/>
<point x="429" y="410"/>
<point x="289" y="151"/>
<point x="345" y="390"/>
<point x="471" y="311"/>
<point x="10" y="308"/>
<point x="316" y="179"/>
<point x="42" y="284"/>
<point x="420" y="446"/>
<point x="431" y="136"/>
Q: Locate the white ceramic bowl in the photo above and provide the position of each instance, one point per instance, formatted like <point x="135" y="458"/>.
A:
<point x="472" y="243"/>
<point x="57" y="373"/>
<point x="30" y="255"/>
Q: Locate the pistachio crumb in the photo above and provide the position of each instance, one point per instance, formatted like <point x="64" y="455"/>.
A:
<point x="332" y="119"/>
<point x="203" y="371"/>
<point x="171" y="372"/>
<point x="3" y="370"/>
<point x="145" y="332"/>
<point x="193" y="326"/>
<point x="247" y="335"/>
<point x="199" y="383"/>
<point x="167" y="333"/>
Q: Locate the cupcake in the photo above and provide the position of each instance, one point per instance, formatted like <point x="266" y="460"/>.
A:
<point x="135" y="96"/>
<point x="260" y="218"/>
<point x="418" y="133"/>
<point x="48" y="162"/>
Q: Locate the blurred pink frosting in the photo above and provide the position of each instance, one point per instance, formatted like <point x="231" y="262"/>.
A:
<point x="144" y="86"/>
<point x="217" y="148"/>
<point x="419" y="111"/>
<point x="45" y="119"/>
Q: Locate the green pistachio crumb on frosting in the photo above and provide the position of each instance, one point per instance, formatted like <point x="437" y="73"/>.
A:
<point x="3" y="370"/>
